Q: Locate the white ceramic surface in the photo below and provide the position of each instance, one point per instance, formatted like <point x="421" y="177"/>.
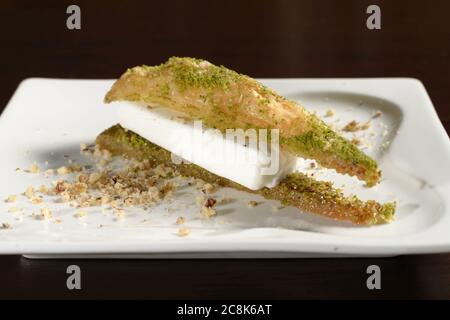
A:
<point x="49" y="118"/>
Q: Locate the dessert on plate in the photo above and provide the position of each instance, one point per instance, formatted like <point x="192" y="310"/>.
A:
<point x="160" y="104"/>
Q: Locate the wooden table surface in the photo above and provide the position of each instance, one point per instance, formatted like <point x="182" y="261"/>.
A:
<point x="259" y="38"/>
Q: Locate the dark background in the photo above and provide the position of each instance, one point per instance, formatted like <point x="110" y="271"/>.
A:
<point x="259" y="38"/>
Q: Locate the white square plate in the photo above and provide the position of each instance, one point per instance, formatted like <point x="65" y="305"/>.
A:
<point x="47" y="119"/>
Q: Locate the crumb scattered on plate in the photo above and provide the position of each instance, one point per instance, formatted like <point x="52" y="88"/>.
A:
<point x="33" y="168"/>
<point x="180" y="220"/>
<point x="80" y="214"/>
<point x="5" y="225"/>
<point x="11" y="198"/>
<point x="329" y="113"/>
<point x="377" y="114"/>
<point x="183" y="232"/>
<point x="252" y="204"/>
<point x="46" y="213"/>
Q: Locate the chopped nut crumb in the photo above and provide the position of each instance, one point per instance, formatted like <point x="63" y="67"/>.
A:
<point x="34" y="168"/>
<point x="82" y="177"/>
<point x="75" y="168"/>
<point x="225" y="200"/>
<point x="199" y="183"/>
<point x="167" y="188"/>
<point x="29" y="192"/>
<point x="356" y="141"/>
<point x="329" y="113"/>
<point x="135" y="183"/>
<point x="208" y="212"/>
<point x="351" y="126"/>
<point x="49" y="172"/>
<point x="36" y="200"/>
<point x="63" y="170"/>
<point x="104" y="199"/>
<point x="252" y="204"/>
<point x="43" y="189"/>
<point x="200" y="200"/>
<point x="11" y="198"/>
<point x="162" y="170"/>
<point x="377" y="114"/>
<point x="60" y="187"/>
<point x="180" y="220"/>
<point x="365" y="126"/>
<point x="5" y="225"/>
<point x="83" y="147"/>
<point x="80" y="214"/>
<point x="183" y="232"/>
<point x="210" y="202"/>
<point x="208" y="188"/>
<point x="120" y="213"/>
<point x="13" y="209"/>
<point x="46" y="213"/>
<point x="94" y="177"/>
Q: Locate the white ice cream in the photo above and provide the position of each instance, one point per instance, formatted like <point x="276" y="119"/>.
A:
<point x="241" y="161"/>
